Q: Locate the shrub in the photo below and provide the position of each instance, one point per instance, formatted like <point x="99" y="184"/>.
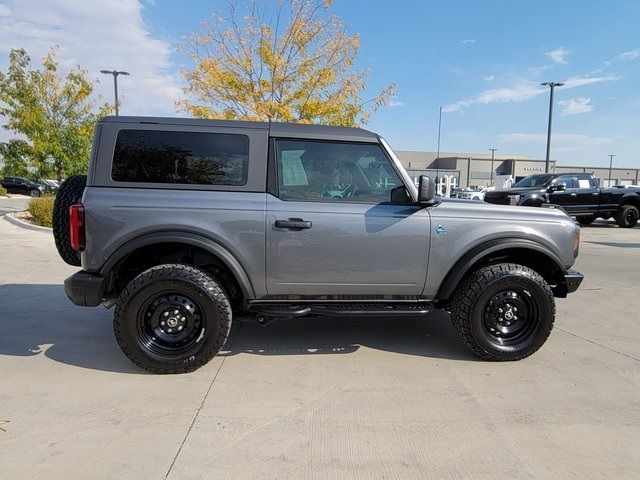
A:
<point x="41" y="210"/>
<point x="3" y="192"/>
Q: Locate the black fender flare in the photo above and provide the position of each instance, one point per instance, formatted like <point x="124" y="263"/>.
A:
<point x="477" y="253"/>
<point x="630" y="198"/>
<point x="187" y="238"/>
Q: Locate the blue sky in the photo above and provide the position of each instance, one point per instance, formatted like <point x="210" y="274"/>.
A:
<point x="482" y="61"/>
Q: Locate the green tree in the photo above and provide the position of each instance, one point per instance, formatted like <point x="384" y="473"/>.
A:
<point x="16" y="156"/>
<point x="54" y="111"/>
<point x="291" y="62"/>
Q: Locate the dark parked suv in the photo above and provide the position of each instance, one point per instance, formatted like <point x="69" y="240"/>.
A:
<point x="23" y="186"/>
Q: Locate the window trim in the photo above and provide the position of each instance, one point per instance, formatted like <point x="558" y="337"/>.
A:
<point x="134" y="184"/>
<point x="273" y="171"/>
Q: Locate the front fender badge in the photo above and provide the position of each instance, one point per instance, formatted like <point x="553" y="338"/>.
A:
<point x="440" y="230"/>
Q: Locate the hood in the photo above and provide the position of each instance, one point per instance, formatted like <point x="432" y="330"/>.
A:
<point x="516" y="190"/>
<point x="476" y="209"/>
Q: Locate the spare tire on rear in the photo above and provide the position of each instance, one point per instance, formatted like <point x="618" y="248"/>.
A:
<point x="70" y="193"/>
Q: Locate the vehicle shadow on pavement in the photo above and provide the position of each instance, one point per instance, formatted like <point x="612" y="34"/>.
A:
<point x="40" y="320"/>
<point x="608" y="224"/>
<point x="431" y="336"/>
<point x="616" y="244"/>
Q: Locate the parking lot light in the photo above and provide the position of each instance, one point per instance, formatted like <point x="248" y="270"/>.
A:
<point x="551" y="85"/>
<point x="115" y="74"/>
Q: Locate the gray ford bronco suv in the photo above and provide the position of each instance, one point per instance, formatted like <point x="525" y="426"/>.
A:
<point x="184" y="224"/>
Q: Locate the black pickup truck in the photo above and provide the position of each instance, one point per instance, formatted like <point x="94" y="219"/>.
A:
<point x="577" y="193"/>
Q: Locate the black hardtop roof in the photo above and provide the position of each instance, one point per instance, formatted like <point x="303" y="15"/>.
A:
<point x="276" y="129"/>
<point x="557" y="174"/>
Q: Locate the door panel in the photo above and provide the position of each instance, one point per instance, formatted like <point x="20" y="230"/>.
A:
<point x="568" y="198"/>
<point x="350" y="249"/>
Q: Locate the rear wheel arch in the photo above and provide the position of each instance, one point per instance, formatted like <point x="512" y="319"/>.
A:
<point x="631" y="199"/>
<point x="513" y="250"/>
<point x="153" y="249"/>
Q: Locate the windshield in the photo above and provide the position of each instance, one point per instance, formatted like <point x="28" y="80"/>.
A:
<point x="534" y="181"/>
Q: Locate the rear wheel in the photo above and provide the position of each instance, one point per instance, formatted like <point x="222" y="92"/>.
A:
<point x="586" y="220"/>
<point x="70" y="193"/>
<point x="627" y="216"/>
<point x="172" y="319"/>
<point x="34" y="193"/>
<point x="503" y="312"/>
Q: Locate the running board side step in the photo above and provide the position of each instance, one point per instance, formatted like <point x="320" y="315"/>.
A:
<point x="339" y="309"/>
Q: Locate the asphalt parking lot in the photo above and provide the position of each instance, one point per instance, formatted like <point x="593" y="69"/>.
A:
<point x="321" y="398"/>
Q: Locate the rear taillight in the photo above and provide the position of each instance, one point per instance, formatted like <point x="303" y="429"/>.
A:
<point x="77" y="237"/>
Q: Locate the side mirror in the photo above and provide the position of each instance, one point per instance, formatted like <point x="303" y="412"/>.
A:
<point x="426" y="190"/>
<point x="399" y="196"/>
<point x="558" y="187"/>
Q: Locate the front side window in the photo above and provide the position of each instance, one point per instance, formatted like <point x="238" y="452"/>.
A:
<point x="325" y="171"/>
<point x="153" y="156"/>
<point x="533" y="181"/>
<point x="568" y="180"/>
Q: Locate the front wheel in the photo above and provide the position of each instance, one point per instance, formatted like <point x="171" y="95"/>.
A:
<point x="34" y="193"/>
<point x="503" y="312"/>
<point x="172" y="319"/>
<point x="627" y="216"/>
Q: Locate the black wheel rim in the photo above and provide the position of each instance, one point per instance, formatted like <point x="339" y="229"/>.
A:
<point x="630" y="216"/>
<point x="510" y="317"/>
<point x="171" y="324"/>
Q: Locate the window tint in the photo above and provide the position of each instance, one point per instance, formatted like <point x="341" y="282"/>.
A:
<point x="533" y="181"/>
<point x="585" y="181"/>
<point x="568" y="179"/>
<point x="324" y="171"/>
<point x="153" y="156"/>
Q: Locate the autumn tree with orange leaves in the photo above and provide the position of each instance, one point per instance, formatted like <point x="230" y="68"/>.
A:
<point x="291" y="62"/>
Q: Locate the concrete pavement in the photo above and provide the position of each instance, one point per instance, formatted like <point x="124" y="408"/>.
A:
<point x="321" y="398"/>
<point x="15" y="203"/>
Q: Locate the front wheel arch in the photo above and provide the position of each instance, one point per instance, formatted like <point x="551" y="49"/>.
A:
<point x="515" y="250"/>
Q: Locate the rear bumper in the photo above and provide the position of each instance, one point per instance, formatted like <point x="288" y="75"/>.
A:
<point x="572" y="280"/>
<point x="86" y="289"/>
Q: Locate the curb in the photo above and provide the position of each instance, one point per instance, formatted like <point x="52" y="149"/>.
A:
<point x="19" y="223"/>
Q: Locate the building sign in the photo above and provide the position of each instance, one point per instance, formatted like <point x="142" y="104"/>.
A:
<point x="533" y="169"/>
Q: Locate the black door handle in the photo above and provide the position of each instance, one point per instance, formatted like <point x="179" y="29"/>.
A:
<point x="293" y="223"/>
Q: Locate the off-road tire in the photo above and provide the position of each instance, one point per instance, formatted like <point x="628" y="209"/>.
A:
<point x="627" y="216"/>
<point x="585" y="219"/>
<point x="69" y="193"/>
<point x="184" y="280"/>
<point x="471" y="299"/>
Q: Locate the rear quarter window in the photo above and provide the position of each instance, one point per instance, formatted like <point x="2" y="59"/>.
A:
<point x="192" y="158"/>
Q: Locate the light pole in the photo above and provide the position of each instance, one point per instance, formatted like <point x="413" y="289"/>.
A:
<point x="551" y="85"/>
<point x="438" y="155"/>
<point x="493" y="151"/>
<point x="610" y="164"/>
<point x="115" y="74"/>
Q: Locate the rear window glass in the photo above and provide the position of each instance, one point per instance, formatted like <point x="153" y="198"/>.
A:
<point x="153" y="156"/>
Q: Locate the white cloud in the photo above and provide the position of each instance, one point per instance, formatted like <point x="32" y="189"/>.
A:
<point x="96" y="35"/>
<point x="394" y="101"/>
<point x="558" y="55"/>
<point x="575" y="106"/>
<point x="524" y="90"/>
<point x="490" y="78"/>
<point x="630" y="55"/>
<point x="469" y="41"/>
<point x="563" y="142"/>
<point x="539" y="69"/>
<point x="581" y="80"/>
